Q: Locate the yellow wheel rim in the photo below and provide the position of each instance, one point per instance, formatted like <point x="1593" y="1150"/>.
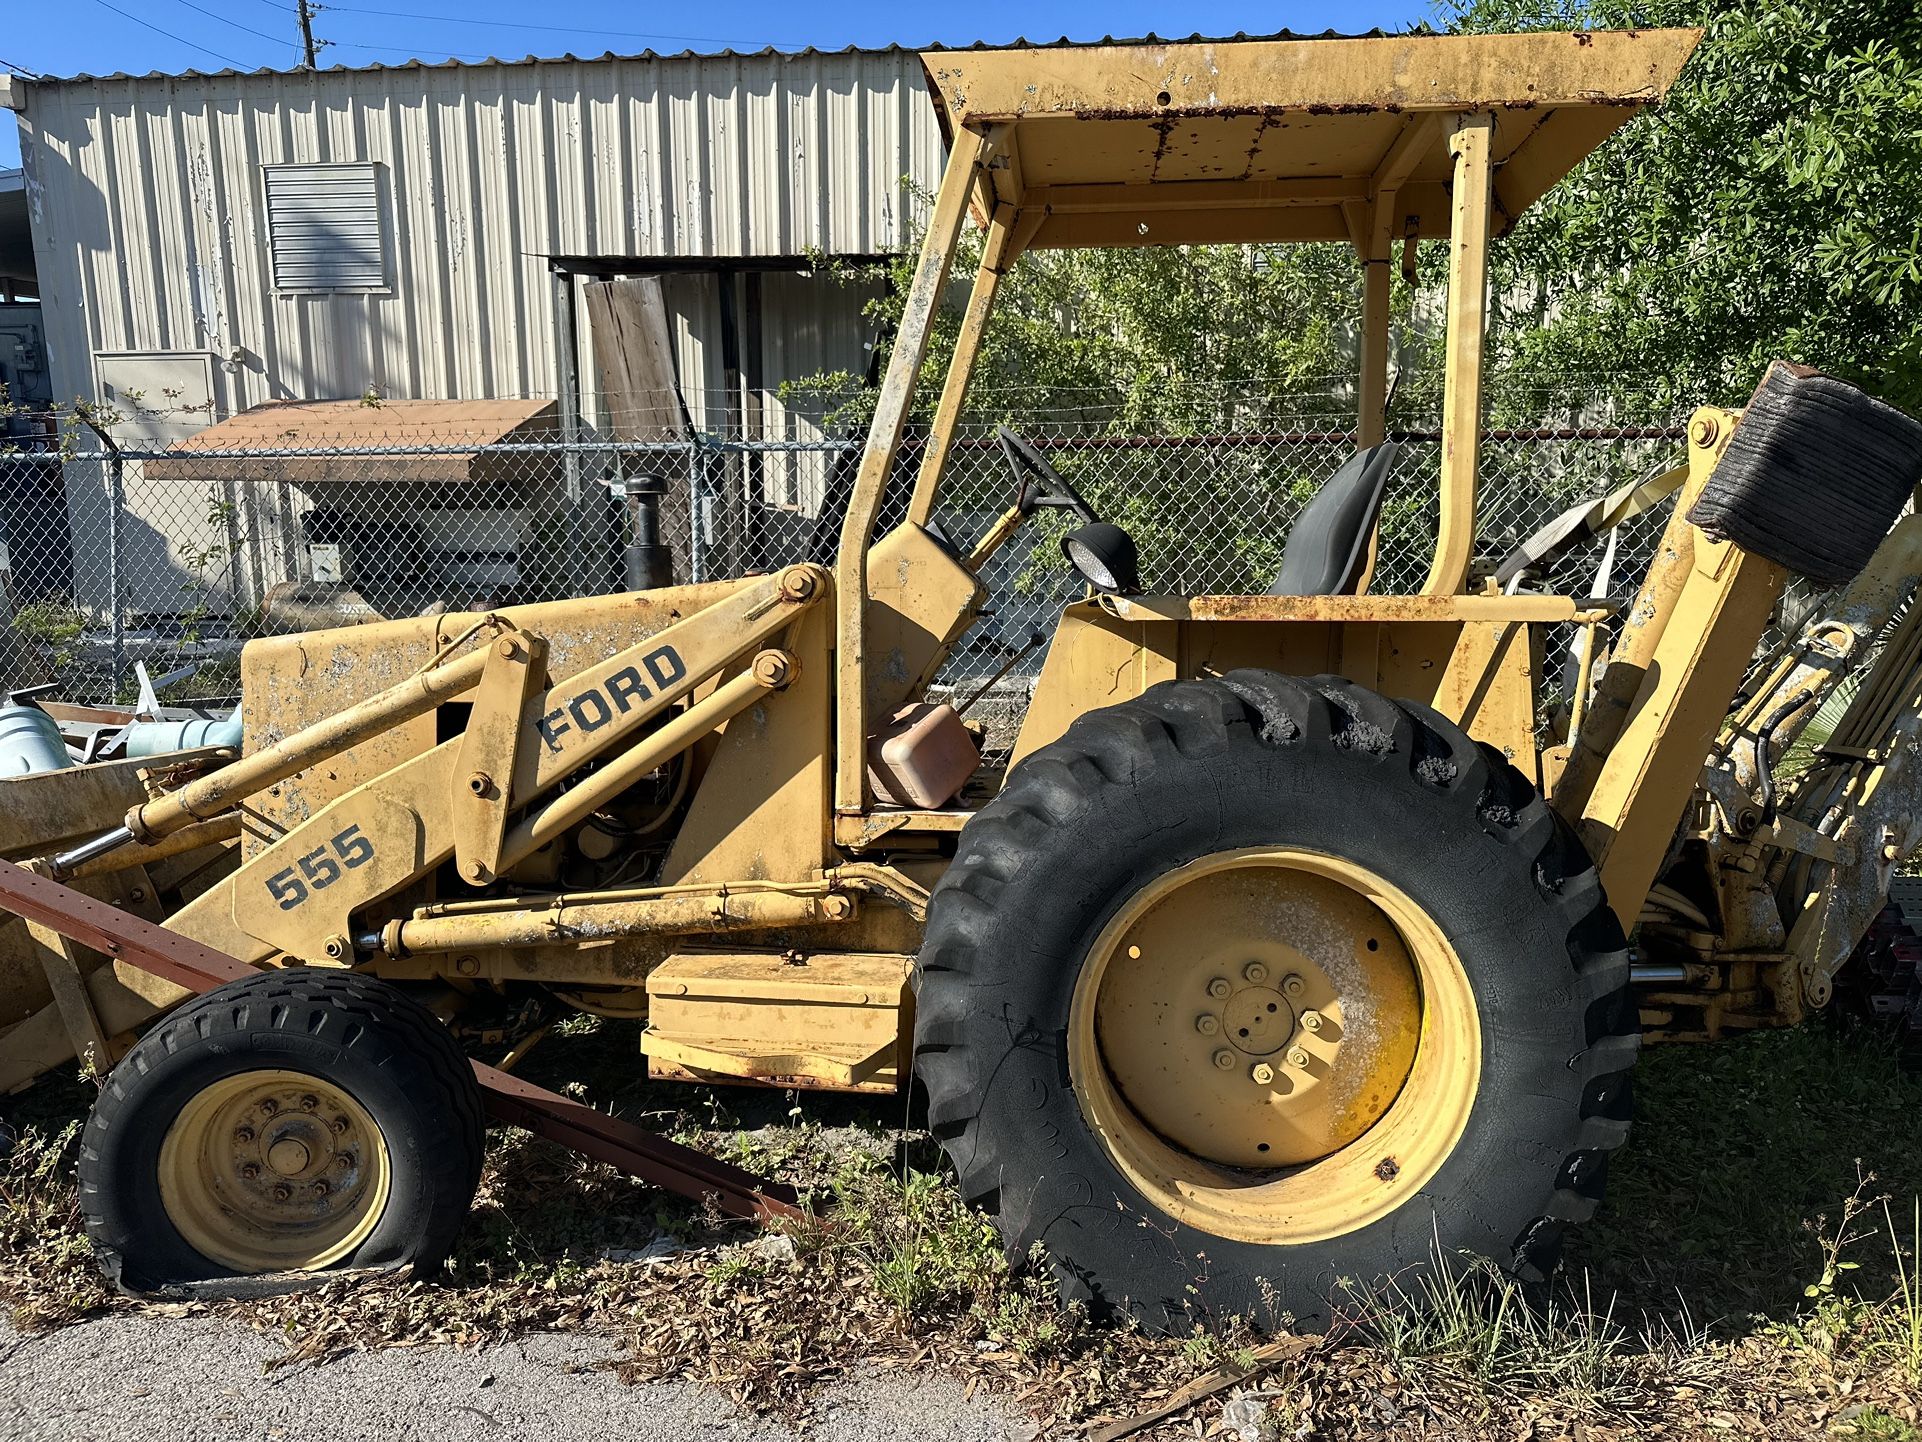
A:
<point x="274" y="1171"/>
<point x="1275" y="1046"/>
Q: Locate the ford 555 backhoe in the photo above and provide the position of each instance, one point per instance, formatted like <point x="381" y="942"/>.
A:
<point x="1295" y="937"/>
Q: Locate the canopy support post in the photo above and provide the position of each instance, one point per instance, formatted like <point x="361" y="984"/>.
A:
<point x="967" y="346"/>
<point x="1467" y="324"/>
<point x="969" y="151"/>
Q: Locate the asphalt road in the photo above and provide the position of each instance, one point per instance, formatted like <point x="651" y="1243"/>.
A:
<point x="200" y="1378"/>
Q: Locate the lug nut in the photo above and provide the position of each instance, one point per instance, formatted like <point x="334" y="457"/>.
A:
<point x="1262" y="1073"/>
<point x="1311" y="1021"/>
<point x="1255" y="972"/>
<point x="1297" y="1057"/>
<point x="269" y="1106"/>
<point x="321" y="1189"/>
<point x="249" y="1172"/>
<point x="1292" y="985"/>
<point x="1219" y="988"/>
<point x="1225" y="1059"/>
<point x="309" y="1102"/>
<point x="283" y="1193"/>
<point x="243" y="1135"/>
<point x="339" y="1124"/>
<point x="1207" y="1023"/>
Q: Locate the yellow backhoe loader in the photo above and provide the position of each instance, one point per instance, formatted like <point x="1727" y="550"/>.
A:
<point x="1292" y="947"/>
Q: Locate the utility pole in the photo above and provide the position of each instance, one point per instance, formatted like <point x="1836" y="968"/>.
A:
<point x="305" y="10"/>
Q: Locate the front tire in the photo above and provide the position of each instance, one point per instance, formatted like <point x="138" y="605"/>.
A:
<point x="294" y="1121"/>
<point x="1253" y="988"/>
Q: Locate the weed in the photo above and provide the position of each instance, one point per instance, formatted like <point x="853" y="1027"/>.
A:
<point x="1464" y="1318"/>
<point x="55" y="629"/>
<point x="1872" y="1424"/>
<point x="50" y="1278"/>
<point x="893" y="1266"/>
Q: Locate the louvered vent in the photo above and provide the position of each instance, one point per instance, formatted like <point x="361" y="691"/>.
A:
<point x="323" y="225"/>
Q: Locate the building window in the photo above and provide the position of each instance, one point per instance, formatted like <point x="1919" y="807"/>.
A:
<point x="323" y="228"/>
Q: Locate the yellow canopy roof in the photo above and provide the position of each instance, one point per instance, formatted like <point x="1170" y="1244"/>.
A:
<point x="1276" y="140"/>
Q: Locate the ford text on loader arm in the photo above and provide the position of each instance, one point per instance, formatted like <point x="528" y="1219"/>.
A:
<point x="1296" y="937"/>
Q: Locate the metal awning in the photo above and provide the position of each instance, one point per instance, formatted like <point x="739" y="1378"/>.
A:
<point x="359" y="441"/>
<point x="1283" y="140"/>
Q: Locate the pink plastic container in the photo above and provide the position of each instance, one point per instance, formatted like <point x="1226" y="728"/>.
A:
<point x="921" y="757"/>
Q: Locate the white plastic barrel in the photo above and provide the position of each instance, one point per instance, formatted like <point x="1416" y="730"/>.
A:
<point x="30" y="741"/>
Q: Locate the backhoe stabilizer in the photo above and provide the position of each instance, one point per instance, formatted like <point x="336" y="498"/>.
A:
<point x="1809" y="478"/>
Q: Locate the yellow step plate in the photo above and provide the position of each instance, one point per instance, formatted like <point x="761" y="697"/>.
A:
<point x="838" y="1021"/>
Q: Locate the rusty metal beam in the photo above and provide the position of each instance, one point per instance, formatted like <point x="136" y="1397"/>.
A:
<point x="509" y="1100"/>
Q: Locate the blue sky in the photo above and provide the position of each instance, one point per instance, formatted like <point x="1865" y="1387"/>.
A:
<point x="102" y="36"/>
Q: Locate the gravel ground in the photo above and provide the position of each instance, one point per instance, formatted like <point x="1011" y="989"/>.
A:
<point x="133" y="1376"/>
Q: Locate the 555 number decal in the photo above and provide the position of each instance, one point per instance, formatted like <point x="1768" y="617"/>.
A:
<point x="320" y="868"/>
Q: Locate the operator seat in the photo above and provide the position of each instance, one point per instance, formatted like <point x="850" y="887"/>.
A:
<point x="1328" y="544"/>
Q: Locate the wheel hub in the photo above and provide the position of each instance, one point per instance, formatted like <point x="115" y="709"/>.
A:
<point x="1257" y="1021"/>
<point x="274" y="1171"/>
<point x="1259" y="1016"/>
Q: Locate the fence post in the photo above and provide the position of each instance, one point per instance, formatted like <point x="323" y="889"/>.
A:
<point x="116" y="504"/>
<point x="696" y="502"/>
<point x="568" y="385"/>
<point x="117" y="487"/>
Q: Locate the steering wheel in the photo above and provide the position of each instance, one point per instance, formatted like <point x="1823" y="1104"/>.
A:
<point x="1038" y="483"/>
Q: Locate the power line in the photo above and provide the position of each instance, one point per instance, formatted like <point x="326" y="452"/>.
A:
<point x="417" y="52"/>
<point x="20" y="70"/>
<point x="552" y="29"/>
<point x="177" y="39"/>
<point x="216" y="15"/>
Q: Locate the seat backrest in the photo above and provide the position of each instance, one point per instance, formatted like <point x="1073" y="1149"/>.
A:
<point x="1328" y="544"/>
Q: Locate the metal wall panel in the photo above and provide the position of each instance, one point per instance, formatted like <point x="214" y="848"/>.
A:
<point x="147" y="197"/>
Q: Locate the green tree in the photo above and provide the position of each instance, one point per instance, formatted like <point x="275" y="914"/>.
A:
<point x="1771" y="207"/>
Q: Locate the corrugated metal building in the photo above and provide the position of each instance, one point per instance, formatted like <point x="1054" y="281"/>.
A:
<point x="247" y="237"/>
<point x="208" y="242"/>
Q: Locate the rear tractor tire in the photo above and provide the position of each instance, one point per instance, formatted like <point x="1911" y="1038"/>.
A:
<point x="294" y="1121"/>
<point x="1255" y="989"/>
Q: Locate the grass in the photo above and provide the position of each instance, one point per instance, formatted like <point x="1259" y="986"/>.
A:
<point x="1754" y="1271"/>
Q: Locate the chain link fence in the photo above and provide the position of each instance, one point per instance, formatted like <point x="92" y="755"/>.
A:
<point x="169" y="556"/>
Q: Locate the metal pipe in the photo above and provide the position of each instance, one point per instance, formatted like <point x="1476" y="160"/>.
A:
<point x="568" y="388"/>
<point x="117" y="504"/>
<point x="1648" y="974"/>
<point x="770" y="669"/>
<point x="504" y="905"/>
<point x="717" y="911"/>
